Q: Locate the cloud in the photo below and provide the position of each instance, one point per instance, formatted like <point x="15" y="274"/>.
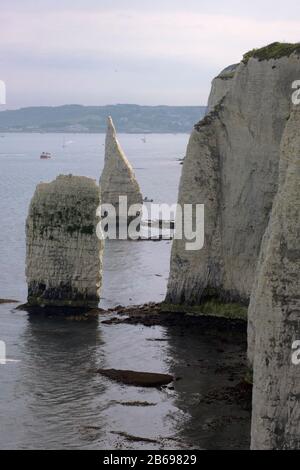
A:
<point x="128" y="52"/>
<point x="183" y="35"/>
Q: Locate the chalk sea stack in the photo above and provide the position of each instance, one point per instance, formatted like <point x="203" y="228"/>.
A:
<point x="63" y="262"/>
<point x="118" y="177"/>
<point x="232" y="167"/>
<point x="274" y="312"/>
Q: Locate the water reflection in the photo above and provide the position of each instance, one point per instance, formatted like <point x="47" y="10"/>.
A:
<point x="53" y="399"/>
<point x="134" y="272"/>
<point x="62" y="392"/>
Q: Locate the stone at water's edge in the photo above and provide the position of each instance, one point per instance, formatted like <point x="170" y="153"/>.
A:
<point x="118" y="178"/>
<point x="138" y="379"/>
<point x="274" y="312"/>
<point x="64" y="254"/>
<point x="232" y="168"/>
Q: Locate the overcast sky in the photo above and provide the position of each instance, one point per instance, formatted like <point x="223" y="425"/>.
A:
<point x="152" y="52"/>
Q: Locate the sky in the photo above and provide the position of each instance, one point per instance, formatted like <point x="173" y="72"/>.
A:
<point x="97" y="52"/>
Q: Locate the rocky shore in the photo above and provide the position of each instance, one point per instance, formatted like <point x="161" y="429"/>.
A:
<point x="211" y="374"/>
<point x="208" y="373"/>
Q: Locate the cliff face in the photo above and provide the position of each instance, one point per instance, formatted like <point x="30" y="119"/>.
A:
<point x="221" y="85"/>
<point x="63" y="263"/>
<point x="117" y="178"/>
<point x="232" y="168"/>
<point x="274" y="312"/>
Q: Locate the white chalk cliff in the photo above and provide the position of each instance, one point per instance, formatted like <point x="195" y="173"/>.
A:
<point x="243" y="164"/>
<point x="118" y="177"/>
<point x="274" y="313"/>
<point x="232" y="167"/>
<point x="63" y="262"/>
<point x="220" y="86"/>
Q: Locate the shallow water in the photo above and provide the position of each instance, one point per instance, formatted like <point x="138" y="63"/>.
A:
<point x="50" y="396"/>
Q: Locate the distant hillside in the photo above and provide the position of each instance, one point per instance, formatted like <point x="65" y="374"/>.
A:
<point x="128" y="118"/>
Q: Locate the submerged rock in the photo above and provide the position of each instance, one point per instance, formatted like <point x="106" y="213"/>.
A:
<point x="131" y="438"/>
<point x="8" y="301"/>
<point x="274" y="313"/>
<point x="63" y="262"/>
<point x="118" y="178"/>
<point x="232" y="168"/>
<point x="139" y="379"/>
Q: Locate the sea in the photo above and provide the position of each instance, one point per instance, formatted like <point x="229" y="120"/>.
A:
<point x="50" y="395"/>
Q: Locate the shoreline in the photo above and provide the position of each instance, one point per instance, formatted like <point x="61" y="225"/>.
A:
<point x="209" y="367"/>
<point x="148" y="314"/>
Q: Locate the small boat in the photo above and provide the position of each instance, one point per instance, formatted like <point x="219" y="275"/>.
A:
<point x="45" y="156"/>
<point x="144" y="139"/>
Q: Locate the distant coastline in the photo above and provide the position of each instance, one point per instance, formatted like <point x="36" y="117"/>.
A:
<point x="130" y="119"/>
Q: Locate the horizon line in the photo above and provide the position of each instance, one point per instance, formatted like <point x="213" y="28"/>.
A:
<point x="105" y="106"/>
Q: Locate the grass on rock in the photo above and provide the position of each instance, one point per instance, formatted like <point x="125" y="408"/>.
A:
<point x="276" y="50"/>
<point x="211" y="307"/>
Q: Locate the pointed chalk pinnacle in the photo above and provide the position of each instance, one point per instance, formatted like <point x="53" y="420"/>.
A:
<point x="117" y="178"/>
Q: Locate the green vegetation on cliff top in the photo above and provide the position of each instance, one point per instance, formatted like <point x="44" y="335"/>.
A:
<point x="212" y="307"/>
<point x="276" y="50"/>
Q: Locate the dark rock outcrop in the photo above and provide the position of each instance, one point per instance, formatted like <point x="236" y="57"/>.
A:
<point x="139" y="379"/>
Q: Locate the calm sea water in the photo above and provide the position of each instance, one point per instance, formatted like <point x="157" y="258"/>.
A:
<point x="130" y="268"/>
<point x="50" y="398"/>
